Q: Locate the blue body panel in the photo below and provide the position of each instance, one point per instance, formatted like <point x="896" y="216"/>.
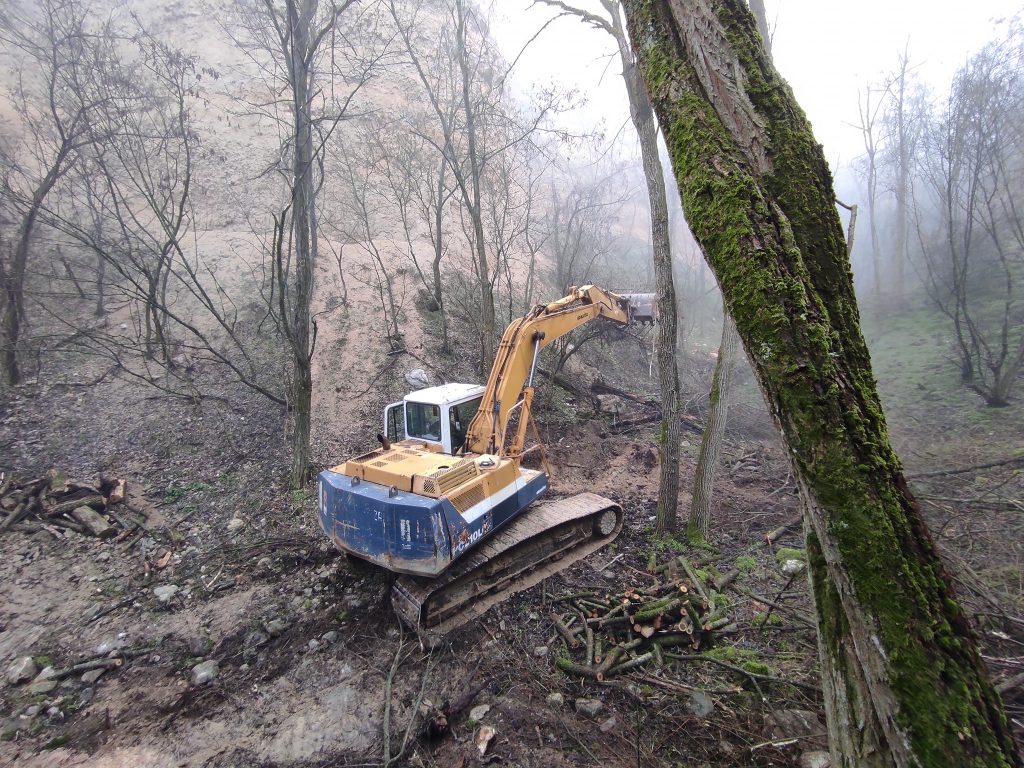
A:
<point x="405" y="532"/>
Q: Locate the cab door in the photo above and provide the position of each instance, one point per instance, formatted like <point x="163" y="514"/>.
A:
<point x="394" y="421"/>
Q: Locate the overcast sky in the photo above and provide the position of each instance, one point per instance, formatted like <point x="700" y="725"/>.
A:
<point x="826" y="50"/>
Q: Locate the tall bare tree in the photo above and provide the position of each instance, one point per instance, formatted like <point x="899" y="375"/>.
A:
<point x="63" y="57"/>
<point x="903" y="681"/>
<point x="668" y="375"/>
<point x="315" y="62"/>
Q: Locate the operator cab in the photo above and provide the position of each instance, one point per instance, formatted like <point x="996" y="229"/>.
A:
<point x="438" y="416"/>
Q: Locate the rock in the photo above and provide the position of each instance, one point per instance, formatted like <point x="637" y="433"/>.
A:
<point x="589" y="707"/>
<point x="479" y="712"/>
<point x="533" y="616"/>
<point x="43" y="686"/>
<point x="90" y="677"/>
<point x="54" y="713"/>
<point x="417" y="377"/>
<point x="794" y="724"/>
<point x="86" y="696"/>
<point x="792" y="567"/>
<point x="103" y="556"/>
<point x="205" y="672"/>
<point x="200" y="645"/>
<point x="540" y="651"/>
<point x="313" y="645"/>
<point x="483" y="739"/>
<point x="47" y="674"/>
<point x="816" y="759"/>
<point x="608" y="574"/>
<point x="275" y="627"/>
<point x="32" y="711"/>
<point x="22" y="670"/>
<point x="330" y="637"/>
<point x="265" y="564"/>
<point x="252" y="643"/>
<point x="700" y="704"/>
<point x="9" y="729"/>
<point x="165" y="592"/>
<point x="608" y="724"/>
<point x="555" y="699"/>
<point x="235" y="524"/>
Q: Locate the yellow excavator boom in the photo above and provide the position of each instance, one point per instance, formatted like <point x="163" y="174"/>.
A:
<point x="516" y="357"/>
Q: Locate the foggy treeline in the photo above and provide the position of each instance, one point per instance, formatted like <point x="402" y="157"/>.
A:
<point x="940" y="192"/>
<point x="184" y="199"/>
<point x="197" y="193"/>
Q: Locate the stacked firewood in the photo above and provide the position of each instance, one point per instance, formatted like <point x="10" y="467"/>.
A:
<point x="608" y="634"/>
<point x="55" y="502"/>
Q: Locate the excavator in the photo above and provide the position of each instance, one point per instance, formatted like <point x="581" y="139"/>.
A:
<point x="445" y="502"/>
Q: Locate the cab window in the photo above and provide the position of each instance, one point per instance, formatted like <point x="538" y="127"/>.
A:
<point x="460" y="415"/>
<point x="423" y="421"/>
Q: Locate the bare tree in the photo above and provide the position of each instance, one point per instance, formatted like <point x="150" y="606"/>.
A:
<point x="63" y="57"/>
<point x="973" y="166"/>
<point x="315" y="62"/>
<point x="668" y="376"/>
<point x="903" y="682"/>
<point x="464" y="81"/>
<point x="870" y="105"/>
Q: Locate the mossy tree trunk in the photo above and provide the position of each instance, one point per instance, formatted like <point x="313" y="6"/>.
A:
<point x="904" y="684"/>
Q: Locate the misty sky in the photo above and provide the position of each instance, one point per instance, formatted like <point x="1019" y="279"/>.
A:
<point x="826" y="50"/>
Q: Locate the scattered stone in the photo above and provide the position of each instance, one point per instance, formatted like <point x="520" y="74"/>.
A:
<point x="32" y="711"/>
<point x="235" y="524"/>
<point x="165" y="592"/>
<point x="700" y="704"/>
<point x="43" y="686"/>
<point x="533" y="616"/>
<point x="9" y="729"/>
<point x="330" y="637"/>
<point x="205" y="672"/>
<point x="540" y="651"/>
<point x="417" y="377"/>
<point x="54" y="713"/>
<point x="608" y="574"/>
<point x="483" y="738"/>
<point x="47" y="674"/>
<point x="792" y="567"/>
<point x="816" y="759"/>
<point x="200" y="645"/>
<point x="313" y="645"/>
<point x="253" y="641"/>
<point x="555" y="699"/>
<point x="86" y="696"/>
<point x="265" y="564"/>
<point x="353" y="602"/>
<point x="589" y="707"/>
<point x="90" y="677"/>
<point x="22" y="670"/>
<point x="479" y="712"/>
<point x="276" y="626"/>
<point x="103" y="556"/>
<point x="794" y="724"/>
<point x="608" y="724"/>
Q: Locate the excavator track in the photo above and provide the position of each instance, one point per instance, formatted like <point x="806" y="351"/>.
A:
<point x="542" y="541"/>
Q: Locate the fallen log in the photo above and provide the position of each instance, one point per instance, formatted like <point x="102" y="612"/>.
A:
<point x="94" y="522"/>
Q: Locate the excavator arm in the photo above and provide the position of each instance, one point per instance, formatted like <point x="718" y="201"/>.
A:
<point x="516" y="360"/>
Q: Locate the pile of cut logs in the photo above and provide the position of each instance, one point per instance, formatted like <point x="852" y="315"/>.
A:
<point x="55" y="502"/>
<point x="616" y="633"/>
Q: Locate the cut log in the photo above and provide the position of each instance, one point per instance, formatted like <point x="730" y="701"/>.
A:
<point x="63" y="507"/>
<point x="94" y="522"/>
